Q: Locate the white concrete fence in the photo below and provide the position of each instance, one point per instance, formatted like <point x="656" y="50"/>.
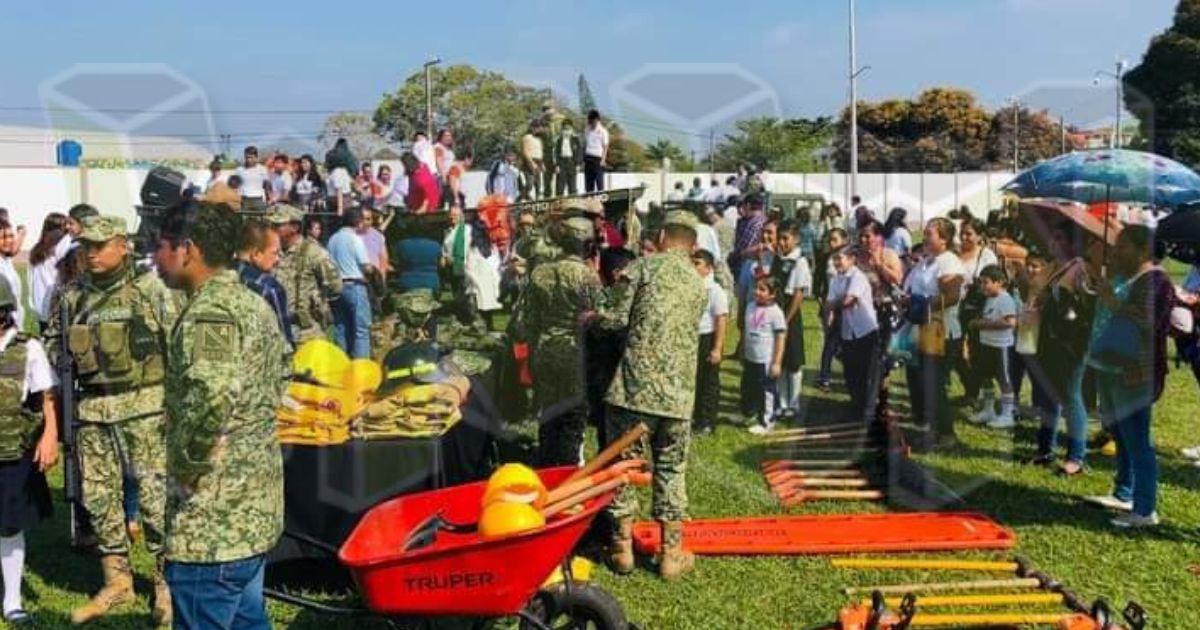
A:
<point x="30" y="192"/>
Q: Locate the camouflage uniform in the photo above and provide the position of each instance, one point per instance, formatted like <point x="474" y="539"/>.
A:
<point x="19" y="426"/>
<point x="224" y="382"/>
<point x="659" y="301"/>
<point x="557" y="294"/>
<point x="117" y="337"/>
<point x="311" y="282"/>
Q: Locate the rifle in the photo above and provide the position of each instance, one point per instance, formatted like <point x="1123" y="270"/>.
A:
<point x="72" y="486"/>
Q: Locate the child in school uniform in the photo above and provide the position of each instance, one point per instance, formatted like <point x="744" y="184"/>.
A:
<point x="712" y="346"/>
<point x="28" y="448"/>
<point x="765" y="331"/>
<point x="858" y="329"/>
<point x="996" y="328"/>
<point x="794" y="277"/>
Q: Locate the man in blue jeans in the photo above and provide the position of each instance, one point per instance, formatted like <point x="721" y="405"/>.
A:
<point x="225" y="378"/>
<point x="352" y="313"/>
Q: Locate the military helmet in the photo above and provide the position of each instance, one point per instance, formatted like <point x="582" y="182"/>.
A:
<point x="414" y="362"/>
<point x="573" y="231"/>
<point x="7" y="299"/>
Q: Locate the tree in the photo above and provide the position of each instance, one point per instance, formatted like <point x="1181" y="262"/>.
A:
<point x="587" y="102"/>
<point x="663" y="148"/>
<point x="1040" y="138"/>
<point x="782" y="145"/>
<point x="1169" y="79"/>
<point x="358" y="129"/>
<point x="486" y="111"/>
<point x="944" y="130"/>
<point x="625" y="155"/>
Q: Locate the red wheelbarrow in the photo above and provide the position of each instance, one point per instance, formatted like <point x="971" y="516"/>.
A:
<point x="420" y="556"/>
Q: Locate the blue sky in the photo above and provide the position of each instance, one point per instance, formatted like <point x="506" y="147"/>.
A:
<point x="300" y="54"/>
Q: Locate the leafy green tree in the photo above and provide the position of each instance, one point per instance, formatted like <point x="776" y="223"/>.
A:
<point x="1040" y="137"/>
<point x="663" y="148"/>
<point x="486" y="111"/>
<point x="1163" y="92"/>
<point x="625" y="155"/>
<point x="781" y="145"/>
<point x="587" y="102"/>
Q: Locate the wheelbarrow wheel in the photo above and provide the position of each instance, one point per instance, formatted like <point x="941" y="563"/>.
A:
<point x="582" y="607"/>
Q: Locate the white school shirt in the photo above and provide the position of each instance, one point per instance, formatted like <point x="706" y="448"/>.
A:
<point x="996" y="309"/>
<point x="718" y="306"/>
<point x="761" y="326"/>
<point x="859" y="320"/>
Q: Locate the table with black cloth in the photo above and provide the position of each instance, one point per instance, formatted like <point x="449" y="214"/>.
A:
<point x="327" y="489"/>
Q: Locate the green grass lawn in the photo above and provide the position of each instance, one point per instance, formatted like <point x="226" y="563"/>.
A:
<point x="1063" y="537"/>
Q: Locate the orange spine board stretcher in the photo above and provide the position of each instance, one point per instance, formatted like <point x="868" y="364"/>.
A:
<point x="833" y="534"/>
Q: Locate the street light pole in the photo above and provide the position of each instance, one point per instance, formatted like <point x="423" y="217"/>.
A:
<point x="1016" y="105"/>
<point x="429" y="98"/>
<point x="1119" y="76"/>
<point x="853" y="105"/>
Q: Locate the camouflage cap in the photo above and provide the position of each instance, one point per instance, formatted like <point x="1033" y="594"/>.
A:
<point x="418" y="301"/>
<point x="682" y="218"/>
<point x="578" y="228"/>
<point x="281" y="213"/>
<point x="102" y="228"/>
<point x="7" y="299"/>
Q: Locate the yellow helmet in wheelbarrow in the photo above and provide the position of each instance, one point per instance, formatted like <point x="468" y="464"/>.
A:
<point x="505" y="519"/>
<point x="514" y="483"/>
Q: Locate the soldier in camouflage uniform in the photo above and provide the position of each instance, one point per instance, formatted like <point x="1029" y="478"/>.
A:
<point x="307" y="274"/>
<point x="658" y="299"/>
<point x="119" y="320"/>
<point x="225" y="378"/>
<point x="558" y="293"/>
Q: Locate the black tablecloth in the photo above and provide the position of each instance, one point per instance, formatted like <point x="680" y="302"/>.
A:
<point x="328" y="489"/>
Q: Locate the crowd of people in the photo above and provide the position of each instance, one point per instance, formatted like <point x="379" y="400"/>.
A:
<point x="623" y="327"/>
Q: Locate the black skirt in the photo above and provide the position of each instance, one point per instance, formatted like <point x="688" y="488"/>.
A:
<point x="24" y="495"/>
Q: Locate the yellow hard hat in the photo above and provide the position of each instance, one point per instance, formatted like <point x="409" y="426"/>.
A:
<point x="515" y="483"/>
<point x="363" y="375"/>
<point x="504" y="519"/>
<point x="322" y="360"/>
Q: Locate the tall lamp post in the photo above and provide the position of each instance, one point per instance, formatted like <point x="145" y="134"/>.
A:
<point x="1016" y="105"/>
<point x="429" y="97"/>
<point x="1119" y="76"/>
<point x="854" y="72"/>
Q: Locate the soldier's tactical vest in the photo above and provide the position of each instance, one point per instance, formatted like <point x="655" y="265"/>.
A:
<point x="19" y="426"/>
<point x="114" y="348"/>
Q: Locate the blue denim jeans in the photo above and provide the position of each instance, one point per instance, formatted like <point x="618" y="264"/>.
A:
<point x="352" y="321"/>
<point x="1069" y="404"/>
<point x="1126" y="412"/>
<point x="224" y="596"/>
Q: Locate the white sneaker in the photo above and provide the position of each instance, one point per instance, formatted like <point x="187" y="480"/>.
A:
<point x="1110" y="502"/>
<point x="762" y="429"/>
<point x="1134" y="521"/>
<point x="1191" y="452"/>
<point x="1002" y="422"/>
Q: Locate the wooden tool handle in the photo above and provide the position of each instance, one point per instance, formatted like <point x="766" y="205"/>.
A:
<point x="1006" y="599"/>
<point x="936" y="565"/>
<point x="771" y="465"/>
<point x="805" y="482"/>
<point x="813" y="495"/>
<point x="565" y="490"/>
<point x="611" y="452"/>
<point x="586" y="495"/>
<point x="921" y="620"/>
<point x="939" y="587"/>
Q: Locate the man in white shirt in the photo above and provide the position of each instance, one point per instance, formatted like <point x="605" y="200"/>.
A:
<point x="280" y="180"/>
<point x="595" y="153"/>
<point x="254" y="181"/>
<point x="676" y="193"/>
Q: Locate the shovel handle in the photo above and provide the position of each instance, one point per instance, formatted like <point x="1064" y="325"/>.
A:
<point x="611" y="452"/>
<point x="933" y="565"/>
<point x="813" y="495"/>
<point x="936" y="587"/>
<point x="567" y="489"/>
<point x="586" y="495"/>
<point x="1007" y="599"/>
